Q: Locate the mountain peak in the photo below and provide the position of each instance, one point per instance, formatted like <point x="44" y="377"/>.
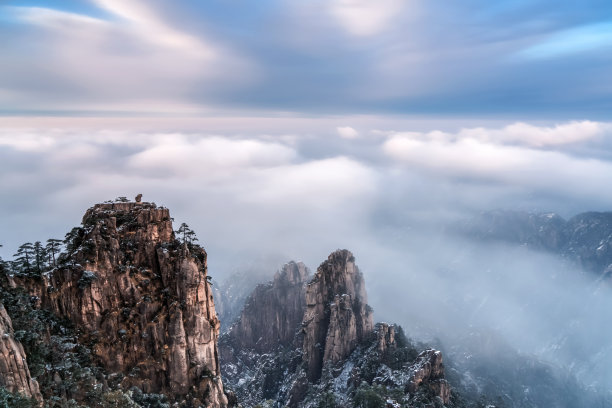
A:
<point x="337" y="316"/>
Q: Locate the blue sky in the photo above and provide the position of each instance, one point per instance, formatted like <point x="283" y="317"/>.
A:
<point x="522" y="59"/>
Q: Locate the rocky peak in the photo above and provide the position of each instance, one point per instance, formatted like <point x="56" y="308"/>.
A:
<point x="337" y="317"/>
<point x="144" y="300"/>
<point x="292" y="273"/>
<point x="14" y="372"/>
<point x="272" y="313"/>
<point x="337" y="358"/>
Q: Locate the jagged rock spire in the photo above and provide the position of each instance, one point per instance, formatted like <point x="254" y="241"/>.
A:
<point x="337" y="316"/>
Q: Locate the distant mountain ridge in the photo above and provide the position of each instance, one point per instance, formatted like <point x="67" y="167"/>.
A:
<point x="585" y="238"/>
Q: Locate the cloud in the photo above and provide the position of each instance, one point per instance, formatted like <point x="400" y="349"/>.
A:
<point x="365" y="18"/>
<point x="347" y="132"/>
<point x="335" y="57"/>
<point x="540" y="136"/>
<point x="178" y="155"/>
<point x="155" y="29"/>
<point x="132" y="61"/>
<point x="322" y="184"/>
<point x="508" y="156"/>
<point x="249" y="190"/>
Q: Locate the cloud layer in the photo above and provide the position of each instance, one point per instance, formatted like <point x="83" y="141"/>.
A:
<point x="362" y="182"/>
<point x="527" y="59"/>
<point x="252" y="192"/>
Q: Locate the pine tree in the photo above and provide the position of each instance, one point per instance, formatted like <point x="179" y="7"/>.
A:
<point x="72" y="241"/>
<point x="22" y="261"/>
<point x="39" y="257"/>
<point x="186" y="234"/>
<point x="53" y="247"/>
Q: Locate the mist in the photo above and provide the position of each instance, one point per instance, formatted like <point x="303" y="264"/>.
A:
<point x="265" y="196"/>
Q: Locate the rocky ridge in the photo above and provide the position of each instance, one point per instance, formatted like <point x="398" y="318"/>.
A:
<point x="337" y="357"/>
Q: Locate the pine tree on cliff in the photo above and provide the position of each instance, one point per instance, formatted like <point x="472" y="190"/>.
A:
<point x="39" y="258"/>
<point x="22" y="261"/>
<point x="186" y="234"/>
<point x="186" y="237"/>
<point x="72" y="240"/>
<point x="52" y="248"/>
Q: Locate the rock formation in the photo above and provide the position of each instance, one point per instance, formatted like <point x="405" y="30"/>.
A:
<point x="273" y="312"/>
<point x="429" y="369"/>
<point x="336" y="356"/>
<point x="14" y="372"/>
<point x="143" y="299"/>
<point x="337" y="316"/>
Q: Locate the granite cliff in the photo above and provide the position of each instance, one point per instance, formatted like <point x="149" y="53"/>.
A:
<point x="337" y="316"/>
<point x="14" y="372"/>
<point x="272" y="312"/>
<point x="141" y="300"/>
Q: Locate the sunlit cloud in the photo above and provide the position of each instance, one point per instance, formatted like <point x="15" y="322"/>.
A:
<point x="364" y="18"/>
<point x="132" y="62"/>
<point x="347" y="132"/>
<point x="509" y="156"/>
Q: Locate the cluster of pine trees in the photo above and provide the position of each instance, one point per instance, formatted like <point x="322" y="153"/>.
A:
<point x="32" y="259"/>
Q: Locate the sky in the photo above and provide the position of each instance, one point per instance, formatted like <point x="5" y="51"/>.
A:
<point x="281" y="118"/>
<point x="298" y="127"/>
<point x="521" y="59"/>
<point x="282" y="130"/>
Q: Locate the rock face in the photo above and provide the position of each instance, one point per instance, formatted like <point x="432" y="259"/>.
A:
<point x="14" y="372"/>
<point x="315" y="345"/>
<point x="429" y="369"/>
<point x="143" y="299"/>
<point x="337" y="316"/>
<point x="273" y="312"/>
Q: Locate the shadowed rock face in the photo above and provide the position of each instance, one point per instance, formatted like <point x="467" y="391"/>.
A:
<point x="273" y="312"/>
<point x="143" y="299"/>
<point x="337" y="317"/>
<point x="14" y="372"/>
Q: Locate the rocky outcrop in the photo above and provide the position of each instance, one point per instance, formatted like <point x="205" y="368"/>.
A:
<point x="428" y="369"/>
<point x="337" y="316"/>
<point x="143" y="299"/>
<point x="273" y="312"/>
<point x="385" y="338"/>
<point x="14" y="372"/>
